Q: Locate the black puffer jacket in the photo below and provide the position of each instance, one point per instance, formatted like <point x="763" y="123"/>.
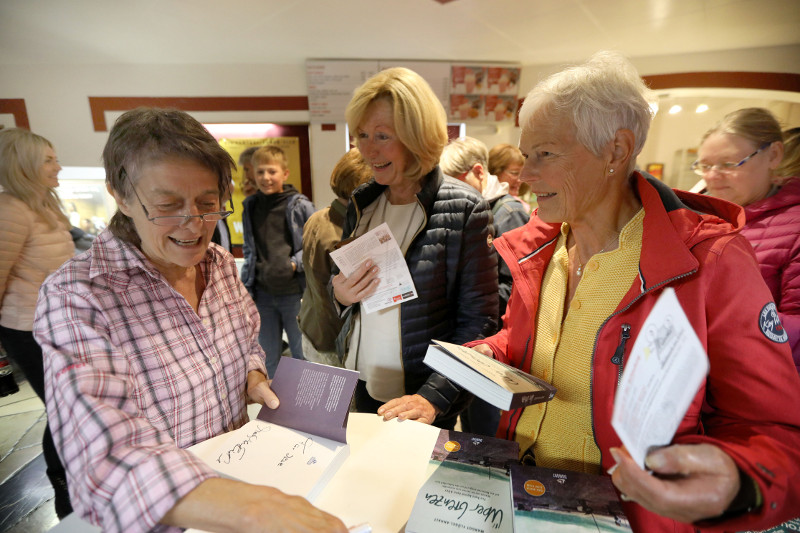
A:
<point x="455" y="274"/>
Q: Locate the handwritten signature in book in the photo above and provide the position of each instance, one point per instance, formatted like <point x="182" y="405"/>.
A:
<point x="300" y="448"/>
<point x="236" y="453"/>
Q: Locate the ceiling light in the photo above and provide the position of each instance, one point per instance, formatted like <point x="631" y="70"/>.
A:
<point x="702" y="108"/>
<point x="675" y="109"/>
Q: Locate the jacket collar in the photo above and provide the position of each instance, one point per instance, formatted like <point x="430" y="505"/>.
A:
<point x="787" y="195"/>
<point x="431" y="182"/>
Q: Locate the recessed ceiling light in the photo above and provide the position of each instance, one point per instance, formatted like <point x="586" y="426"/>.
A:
<point x="702" y="108"/>
<point x="675" y="109"/>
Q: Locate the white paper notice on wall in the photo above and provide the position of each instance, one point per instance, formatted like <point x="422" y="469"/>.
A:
<point x="662" y="375"/>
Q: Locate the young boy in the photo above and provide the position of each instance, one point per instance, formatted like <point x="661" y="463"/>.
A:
<point x="273" y="220"/>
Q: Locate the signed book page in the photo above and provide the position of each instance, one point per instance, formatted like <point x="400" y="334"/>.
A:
<point x="293" y="461"/>
<point x="662" y="374"/>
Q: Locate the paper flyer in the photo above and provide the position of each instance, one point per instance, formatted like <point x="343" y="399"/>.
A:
<point x="396" y="285"/>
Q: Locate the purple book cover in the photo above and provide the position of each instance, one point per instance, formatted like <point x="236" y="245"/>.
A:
<point x="315" y="398"/>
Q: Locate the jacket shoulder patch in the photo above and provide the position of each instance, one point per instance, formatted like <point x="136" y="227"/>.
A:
<point x="770" y="324"/>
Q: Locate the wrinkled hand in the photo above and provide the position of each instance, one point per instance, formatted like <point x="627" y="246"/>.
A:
<point x="484" y="349"/>
<point x="409" y="407"/>
<point x="692" y="481"/>
<point x="353" y="289"/>
<point x="219" y="504"/>
<point x="259" y="391"/>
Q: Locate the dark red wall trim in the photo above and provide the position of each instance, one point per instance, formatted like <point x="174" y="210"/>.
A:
<point x="16" y="107"/>
<point x="777" y="81"/>
<point x="100" y="104"/>
<point x="328" y="127"/>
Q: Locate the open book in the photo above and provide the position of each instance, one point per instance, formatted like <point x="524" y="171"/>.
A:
<point x="468" y="488"/>
<point x="564" y="501"/>
<point x="300" y="445"/>
<point x="501" y="385"/>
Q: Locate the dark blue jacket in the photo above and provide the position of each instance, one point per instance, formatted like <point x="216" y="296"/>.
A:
<point x="455" y="274"/>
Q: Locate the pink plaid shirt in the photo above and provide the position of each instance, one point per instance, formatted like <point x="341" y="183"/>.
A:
<point x="133" y="375"/>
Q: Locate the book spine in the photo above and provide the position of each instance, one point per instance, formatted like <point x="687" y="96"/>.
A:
<point x="530" y="398"/>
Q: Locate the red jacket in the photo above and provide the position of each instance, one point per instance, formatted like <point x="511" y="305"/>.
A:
<point x="750" y="403"/>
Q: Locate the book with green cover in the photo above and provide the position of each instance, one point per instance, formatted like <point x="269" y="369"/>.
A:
<point x="468" y="486"/>
<point x="556" y="501"/>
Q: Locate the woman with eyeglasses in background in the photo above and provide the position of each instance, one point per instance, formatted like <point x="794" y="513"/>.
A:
<point x="740" y="160"/>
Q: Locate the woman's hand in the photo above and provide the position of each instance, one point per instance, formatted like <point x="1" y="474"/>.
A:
<point x="409" y="407"/>
<point x="258" y="390"/>
<point x="692" y="482"/>
<point x="484" y="349"/>
<point x="219" y="504"/>
<point x="353" y="289"/>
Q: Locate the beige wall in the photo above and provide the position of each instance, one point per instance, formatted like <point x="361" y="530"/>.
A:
<point x="57" y="98"/>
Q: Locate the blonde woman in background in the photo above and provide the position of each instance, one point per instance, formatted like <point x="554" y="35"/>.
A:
<point x="34" y="241"/>
<point x="741" y="161"/>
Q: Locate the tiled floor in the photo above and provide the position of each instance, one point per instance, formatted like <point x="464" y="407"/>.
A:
<point x="26" y="497"/>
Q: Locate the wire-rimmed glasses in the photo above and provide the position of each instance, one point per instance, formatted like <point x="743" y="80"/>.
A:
<point x="180" y="220"/>
<point x="701" y="169"/>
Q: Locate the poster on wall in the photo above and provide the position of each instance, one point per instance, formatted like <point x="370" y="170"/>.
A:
<point x="487" y="93"/>
<point x="656" y="170"/>
<point x="290" y="146"/>
<point x="331" y="85"/>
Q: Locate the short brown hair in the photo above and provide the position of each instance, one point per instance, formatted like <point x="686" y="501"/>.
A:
<point x="148" y="135"/>
<point x="350" y="172"/>
<point x="502" y="156"/>
<point x="419" y="118"/>
<point x="270" y="154"/>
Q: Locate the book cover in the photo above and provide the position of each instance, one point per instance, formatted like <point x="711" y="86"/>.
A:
<point x="552" y="500"/>
<point x="468" y="488"/>
<point x="298" y="447"/>
<point x="315" y="398"/>
<point x="500" y="384"/>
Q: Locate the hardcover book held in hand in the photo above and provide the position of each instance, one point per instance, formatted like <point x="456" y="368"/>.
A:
<point x="297" y="447"/>
<point x="468" y="488"/>
<point x="564" y="501"/>
<point x="501" y="385"/>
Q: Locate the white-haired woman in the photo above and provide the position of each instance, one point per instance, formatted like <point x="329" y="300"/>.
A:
<point x="604" y="243"/>
<point x="35" y="241"/>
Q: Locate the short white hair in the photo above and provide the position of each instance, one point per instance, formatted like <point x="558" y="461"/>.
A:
<point x="461" y="154"/>
<point x="601" y="96"/>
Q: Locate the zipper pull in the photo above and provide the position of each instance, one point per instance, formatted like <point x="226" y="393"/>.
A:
<point x="623" y="338"/>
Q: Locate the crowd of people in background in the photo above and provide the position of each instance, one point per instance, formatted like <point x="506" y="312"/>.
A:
<point x="546" y="256"/>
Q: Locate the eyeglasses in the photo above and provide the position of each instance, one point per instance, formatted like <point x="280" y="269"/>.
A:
<point x="701" y="169"/>
<point x="180" y="220"/>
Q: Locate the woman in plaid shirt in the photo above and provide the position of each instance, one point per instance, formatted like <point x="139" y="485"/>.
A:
<point x="150" y="345"/>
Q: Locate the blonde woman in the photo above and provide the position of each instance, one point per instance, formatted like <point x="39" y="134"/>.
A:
<point x="442" y="226"/>
<point x="35" y="241"/>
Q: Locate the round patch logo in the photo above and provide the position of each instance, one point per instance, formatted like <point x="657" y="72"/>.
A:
<point x="534" y="488"/>
<point x="452" y="446"/>
<point x="770" y="324"/>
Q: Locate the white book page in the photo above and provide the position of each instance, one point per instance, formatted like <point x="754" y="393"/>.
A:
<point x="662" y="374"/>
<point x="379" y="244"/>
<point x="268" y="454"/>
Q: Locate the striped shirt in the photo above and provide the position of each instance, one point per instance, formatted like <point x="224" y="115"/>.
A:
<point x="133" y="375"/>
